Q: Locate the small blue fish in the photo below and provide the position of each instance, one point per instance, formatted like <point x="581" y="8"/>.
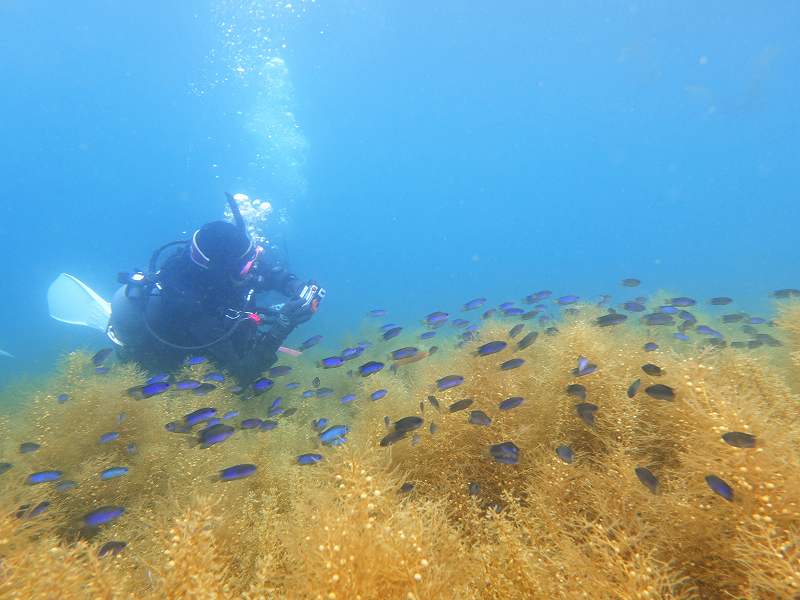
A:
<point x="719" y="487"/>
<point x="488" y="314"/>
<point x="214" y="376"/>
<point x="378" y="394"/>
<point x="658" y="319"/>
<point x="351" y="353"/>
<point x="308" y="393"/>
<point x="101" y="370"/>
<point x="319" y="424"/>
<point x="121" y="417"/>
<point x="204" y="389"/>
<point x="230" y="414"/>
<point x="61" y="398"/>
<point x="28" y="447"/>
<point x="505" y="305"/>
<point x="491" y="348"/>
<point x="175" y="427"/>
<point x="647" y="478"/>
<point x="43" y="477"/>
<point x="565" y="454"/>
<point x="682" y="301"/>
<point x="332" y="434"/>
<point x="109" y="437"/>
<point x="312" y="341"/>
<point x="309" y="459"/>
<point x="390" y="333"/>
<point x="668" y="310"/>
<point x="103" y="515"/>
<point x="377" y="312"/>
<point x="449" y="381"/>
<point x="706" y="330"/>
<point x="634" y="306"/>
<point x="388" y="326"/>
<point x="436" y="319"/>
<point x="262" y="385"/>
<point x="253" y="423"/>
<point x="292" y="386"/>
<point x="474" y="303"/>
<point x="160" y="378"/>
<point x="66" y="485"/>
<point x="274" y="412"/>
<point x="679" y="335"/>
<point x="131" y="448"/>
<point x="427" y="335"/>
<point x="478" y="417"/>
<point x="569" y="299"/>
<point x="199" y="415"/>
<point x="406" y="352"/>
<point x="280" y="371"/>
<point x="113" y="472"/>
<point x="514" y="311"/>
<point x="324" y="392"/>
<point x="347" y="398"/>
<point x="510" y="403"/>
<point x="268" y="425"/>
<point x="214" y="434"/>
<point x="505" y="453"/>
<point x="757" y="320"/>
<point x="650" y="347"/>
<point x="195" y="360"/>
<point x="5" y="466"/>
<point x="331" y="362"/>
<point x="112" y="547"/>
<point x="369" y="368"/>
<point x="237" y="472"/>
<point x="153" y="389"/>
<point x="512" y="364"/>
<point x="39" y="509"/>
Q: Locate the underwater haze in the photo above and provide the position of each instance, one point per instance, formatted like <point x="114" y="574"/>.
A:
<point x="559" y="350"/>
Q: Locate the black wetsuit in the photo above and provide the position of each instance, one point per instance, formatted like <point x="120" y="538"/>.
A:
<point x="189" y="307"/>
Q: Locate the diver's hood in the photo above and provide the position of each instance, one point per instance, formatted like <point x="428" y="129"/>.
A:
<point x="222" y="246"/>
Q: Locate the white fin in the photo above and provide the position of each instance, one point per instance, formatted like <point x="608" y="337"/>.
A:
<point x="6" y="354"/>
<point x="72" y="301"/>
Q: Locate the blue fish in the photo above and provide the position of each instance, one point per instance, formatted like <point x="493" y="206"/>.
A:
<point x="331" y="362"/>
<point x="658" y="319"/>
<point x="505" y="452"/>
<point x="153" y="389"/>
<point x="279" y="371"/>
<point x="474" y="303"/>
<point x="113" y="472"/>
<point x="324" y="392"/>
<point x="274" y="412"/>
<point x="505" y="305"/>
<point x="112" y="547"/>
<point x="569" y="299"/>
<point x="195" y="360"/>
<point x="251" y="423"/>
<point x="510" y="403"/>
<point x="351" y="353"/>
<point x="103" y="515"/>
<point x="214" y="434"/>
<point x="28" y="447"/>
<point x="109" y="437"/>
<point x="347" y="398"/>
<point x="214" y="376"/>
<point x="512" y="364"/>
<point x="459" y="323"/>
<point x="101" y="370"/>
<point x="706" y="330"/>
<point x="204" y="389"/>
<point x="66" y="485"/>
<point x="393" y="332"/>
<point x="719" y="487"/>
<point x="309" y="459"/>
<point x="368" y="368"/>
<point x="308" y="393"/>
<point x="565" y="454"/>
<point x="650" y="347"/>
<point x="61" y="398"/>
<point x="449" y="381"/>
<point x="43" y="477"/>
<point x="488" y="314"/>
<point x="100" y="356"/>
<point x="436" y="319"/>
<point x="262" y="385"/>
<point x="199" y="415"/>
<point x="131" y="448"/>
<point x="230" y="414"/>
<point x="679" y="335"/>
<point x="378" y="394"/>
<point x="377" y="312"/>
<point x="160" y="378"/>
<point x="312" y="341"/>
<point x="332" y="434"/>
<point x="682" y="301"/>
<point x="268" y="425"/>
<point x="757" y="320"/>
<point x="634" y="306"/>
<point x="427" y="335"/>
<point x="491" y="348"/>
<point x="388" y="326"/>
<point x="39" y="509"/>
<point x="5" y="466"/>
<point x="237" y="472"/>
<point x="175" y="427"/>
<point x="293" y="385"/>
<point x="478" y="417"/>
<point x="513" y="311"/>
<point x="319" y="424"/>
<point x="276" y="403"/>
<point x="669" y="310"/>
<point x="406" y="352"/>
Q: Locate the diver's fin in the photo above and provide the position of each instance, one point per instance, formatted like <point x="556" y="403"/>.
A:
<point x="72" y="301"/>
<point x="6" y="354"/>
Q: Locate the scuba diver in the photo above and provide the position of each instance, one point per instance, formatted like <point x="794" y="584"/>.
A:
<point x="202" y="301"/>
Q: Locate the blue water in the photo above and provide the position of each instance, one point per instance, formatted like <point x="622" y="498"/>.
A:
<point x="432" y="152"/>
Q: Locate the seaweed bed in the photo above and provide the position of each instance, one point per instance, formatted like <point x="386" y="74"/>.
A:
<point x="433" y="515"/>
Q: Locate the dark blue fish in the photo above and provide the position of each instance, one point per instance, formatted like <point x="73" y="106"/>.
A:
<point x="510" y="403"/>
<point x="153" y="389"/>
<point x="378" y="394"/>
<point x="757" y="320"/>
<point x="631" y="282"/>
<point x="195" y="360"/>
<point x="390" y="333"/>
<point x="199" y="415"/>
<point x="131" y="448"/>
<point x="659" y="391"/>
<point x="347" y="398"/>
<point x="569" y="299"/>
<point x="739" y="439"/>
<point x="652" y="369"/>
<point x="388" y="326"/>
<point x="369" y="368"/>
<point x="393" y="437"/>
<point x="706" y="330"/>
<point x="159" y="378"/>
<point x="647" y="478"/>
<point x="586" y="412"/>
<point x="505" y="452"/>
<point x="658" y="319"/>
<point x="319" y="424"/>
<point x="262" y="385"/>
<point x="529" y="315"/>
<point x="187" y="384"/>
<point x="406" y="352"/>
<point x="175" y="427"/>
<point x="406" y="487"/>
<point x="100" y="356"/>
<point x="5" y="466"/>
<point x="610" y="319"/>
<point x="449" y="381"/>
<point x="312" y="341"/>
<point x="61" y="398"/>
<point x="459" y="405"/>
<point x="315" y="382"/>
<point x="459" y="323"/>
<point x="584" y="367"/>
<point x="634" y="306"/>
<point x="576" y="390"/>
<point x="682" y="301"/>
<point x="351" y="353"/>
<point x="66" y="485"/>
<point x="214" y="376"/>
<point x="331" y="362"/>
<point x="514" y="311"/>
<point x="333" y="435"/>
<point x="512" y="364"/>
<point x="308" y="393"/>
<point x="293" y="385"/>
<point x="407" y="424"/>
<point x="309" y="459"/>
<point x="268" y="425"/>
<point x="436" y="319"/>
<point x="526" y="341"/>
<point x="478" y="417"/>
<point x="505" y="305"/>
<point x="488" y="314"/>
<point x="112" y="547"/>
<point x="230" y="414"/>
<point x="733" y="318"/>
<point x="324" y="392"/>
<point x="101" y="370"/>
<point x="214" y="434"/>
<point x="204" y="389"/>
<point x="103" y="515"/>
<point x="109" y="437"/>
<point x="634" y="387"/>
<point x="565" y="454"/>
<point x="377" y="312"/>
<point x="473" y="304"/>
<point x="237" y="390"/>
<point x="668" y="310"/>
<point x="720" y="301"/>
<point x="514" y="331"/>
<point x="427" y="335"/>
<point x="679" y="335"/>
<point x="650" y="347"/>
<point x="42" y="477"/>
<point x="719" y="487"/>
<point x="237" y="472"/>
<point x="491" y="348"/>
<point x="253" y="423"/>
<point x="28" y="447"/>
<point x="113" y="472"/>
